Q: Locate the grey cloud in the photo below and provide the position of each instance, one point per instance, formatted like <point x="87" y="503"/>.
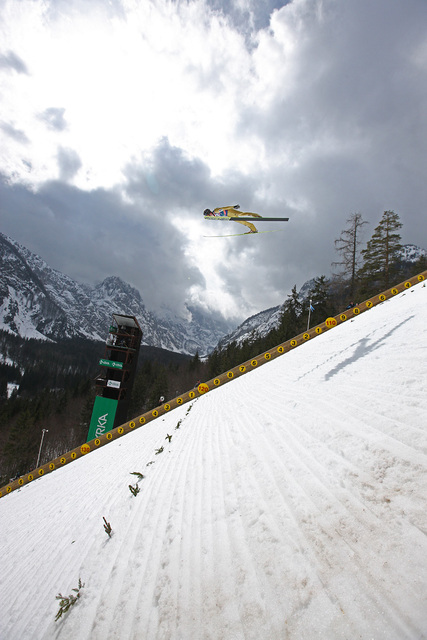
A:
<point x="170" y="178"/>
<point x="17" y="134"/>
<point x="90" y="235"/>
<point x="11" y="60"/>
<point x="264" y="267"/>
<point x="69" y="163"/>
<point x="54" y="118"/>
<point x="352" y="132"/>
<point x="186" y="185"/>
<point x="248" y="16"/>
<point x="353" y="71"/>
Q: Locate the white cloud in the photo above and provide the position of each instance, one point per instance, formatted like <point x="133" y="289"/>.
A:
<point x="312" y="109"/>
<point x="124" y="83"/>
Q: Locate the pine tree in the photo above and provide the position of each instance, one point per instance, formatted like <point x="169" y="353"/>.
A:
<point x="321" y="300"/>
<point x="20" y="450"/>
<point x="420" y="265"/>
<point x="381" y="256"/>
<point x="290" y="320"/>
<point x="3" y="389"/>
<point x="348" y="246"/>
<point x="158" y="387"/>
<point x="214" y="363"/>
<point x="194" y="362"/>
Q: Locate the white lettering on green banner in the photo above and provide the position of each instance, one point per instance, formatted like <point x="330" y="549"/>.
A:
<point x="103" y="414"/>
<point x="111" y="363"/>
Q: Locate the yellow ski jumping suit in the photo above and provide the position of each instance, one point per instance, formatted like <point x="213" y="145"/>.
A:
<point x="231" y="212"/>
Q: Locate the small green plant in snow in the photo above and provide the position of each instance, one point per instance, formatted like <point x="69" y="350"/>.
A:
<point x="107" y="527"/>
<point x="134" y="490"/>
<point x="65" y="602"/>
<point x="140" y="476"/>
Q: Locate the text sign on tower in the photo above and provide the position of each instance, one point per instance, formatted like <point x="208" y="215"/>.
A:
<point x="113" y="384"/>
<point x="112" y="364"/>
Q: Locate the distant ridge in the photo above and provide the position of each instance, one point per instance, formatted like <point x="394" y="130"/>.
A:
<point x="260" y="324"/>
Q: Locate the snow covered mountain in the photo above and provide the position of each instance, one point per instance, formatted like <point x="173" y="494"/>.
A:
<point x="289" y="503"/>
<point x="37" y="301"/>
<point x="258" y="325"/>
<point x="412" y="253"/>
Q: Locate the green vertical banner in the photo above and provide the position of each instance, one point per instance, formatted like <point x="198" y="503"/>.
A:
<point x="103" y="414"/>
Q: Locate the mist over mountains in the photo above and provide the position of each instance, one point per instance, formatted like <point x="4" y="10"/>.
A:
<point x="37" y="301"/>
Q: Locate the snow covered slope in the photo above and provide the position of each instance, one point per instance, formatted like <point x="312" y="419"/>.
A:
<point x="289" y="504"/>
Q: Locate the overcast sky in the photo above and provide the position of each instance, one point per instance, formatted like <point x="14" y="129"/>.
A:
<point x="121" y="121"/>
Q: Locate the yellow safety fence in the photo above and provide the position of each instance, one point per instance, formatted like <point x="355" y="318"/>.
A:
<point x="205" y="387"/>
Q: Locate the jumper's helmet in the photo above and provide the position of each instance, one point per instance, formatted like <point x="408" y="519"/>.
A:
<point x="207" y="212"/>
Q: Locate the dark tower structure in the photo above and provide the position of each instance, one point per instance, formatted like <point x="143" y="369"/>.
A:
<point x="115" y="380"/>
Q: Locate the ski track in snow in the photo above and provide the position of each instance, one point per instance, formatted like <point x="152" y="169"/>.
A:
<point x="289" y="504"/>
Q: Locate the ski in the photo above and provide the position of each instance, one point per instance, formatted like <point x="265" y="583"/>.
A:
<point x="261" y="219"/>
<point x="247" y="233"/>
<point x="247" y="218"/>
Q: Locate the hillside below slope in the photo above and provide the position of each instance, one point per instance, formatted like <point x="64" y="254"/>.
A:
<point x="288" y="504"/>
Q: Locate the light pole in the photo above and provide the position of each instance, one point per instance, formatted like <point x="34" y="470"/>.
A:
<point x="309" y="314"/>
<point x="41" y="444"/>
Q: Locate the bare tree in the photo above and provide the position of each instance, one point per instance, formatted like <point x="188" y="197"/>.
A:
<point x="348" y="246"/>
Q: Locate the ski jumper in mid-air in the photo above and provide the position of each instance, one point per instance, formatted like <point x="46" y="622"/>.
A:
<point x="231" y="212"/>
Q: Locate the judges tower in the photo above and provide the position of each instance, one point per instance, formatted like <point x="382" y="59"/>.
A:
<point x="115" y="381"/>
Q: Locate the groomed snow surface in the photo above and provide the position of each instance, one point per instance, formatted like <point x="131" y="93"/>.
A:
<point x="289" y="503"/>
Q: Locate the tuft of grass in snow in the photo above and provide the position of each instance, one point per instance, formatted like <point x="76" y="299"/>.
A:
<point x="107" y="527"/>
<point x="68" y="601"/>
<point x="134" y="490"/>
<point x="140" y="476"/>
